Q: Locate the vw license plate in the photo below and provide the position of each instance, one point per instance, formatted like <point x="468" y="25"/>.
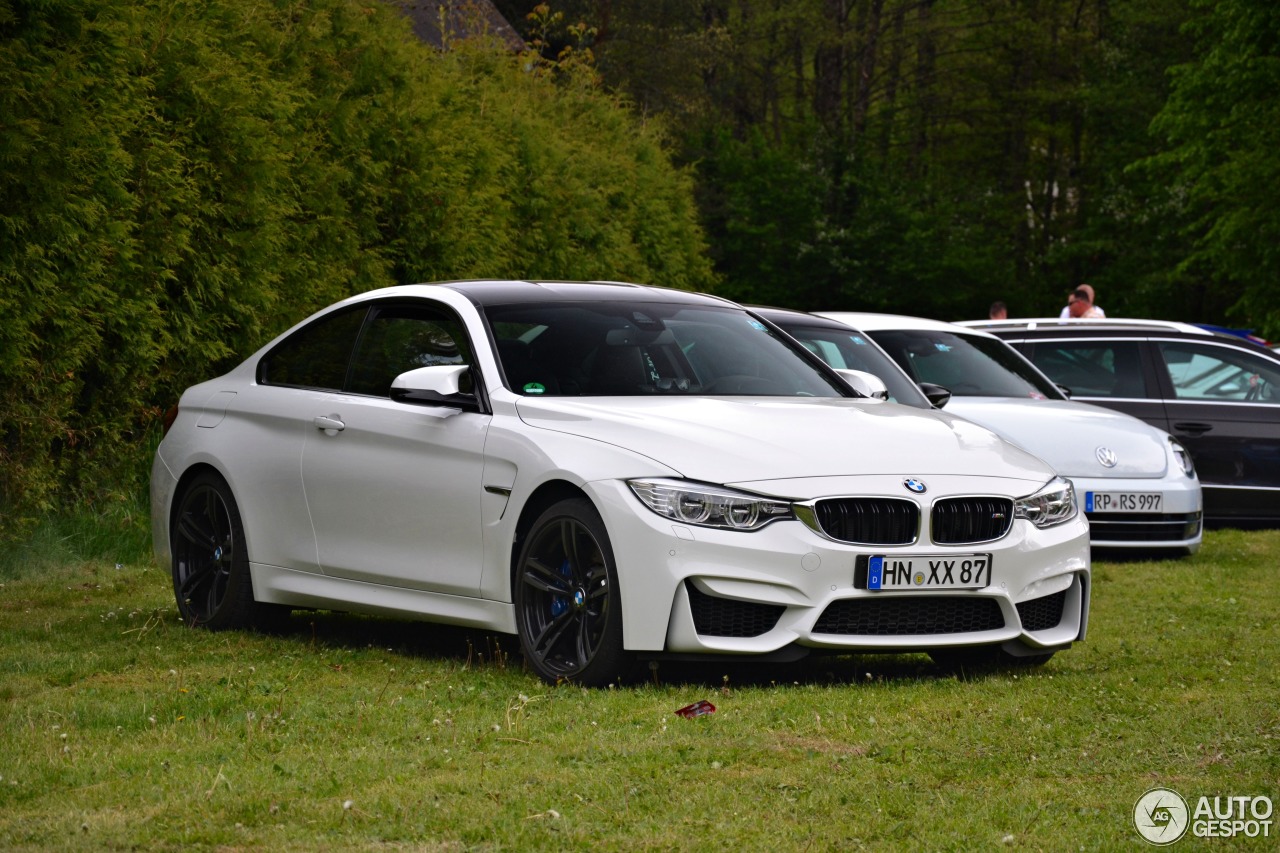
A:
<point x="961" y="571"/>
<point x="1122" y="502"/>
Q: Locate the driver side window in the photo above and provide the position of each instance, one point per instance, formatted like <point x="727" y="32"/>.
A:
<point x="402" y="337"/>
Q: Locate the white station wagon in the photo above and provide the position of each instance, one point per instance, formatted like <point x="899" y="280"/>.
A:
<point x="1137" y="483"/>
<point x="613" y="473"/>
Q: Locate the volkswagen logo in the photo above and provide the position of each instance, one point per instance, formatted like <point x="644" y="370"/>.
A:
<point x="1107" y="457"/>
<point x="914" y="485"/>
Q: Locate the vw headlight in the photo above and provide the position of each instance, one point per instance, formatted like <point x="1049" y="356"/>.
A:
<point x="709" y="506"/>
<point x="1183" y="458"/>
<point x="1053" y="504"/>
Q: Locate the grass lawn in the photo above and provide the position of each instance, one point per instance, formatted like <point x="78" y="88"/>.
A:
<point x="121" y="729"/>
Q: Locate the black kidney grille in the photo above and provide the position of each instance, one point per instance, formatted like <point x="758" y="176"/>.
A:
<point x="869" y="521"/>
<point x="1041" y="614"/>
<point x="878" y="617"/>
<point x="966" y="521"/>
<point x="728" y="617"/>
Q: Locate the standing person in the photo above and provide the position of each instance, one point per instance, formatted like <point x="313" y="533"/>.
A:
<point x="1066" y="312"/>
<point x="998" y="311"/>
<point x="1080" y="305"/>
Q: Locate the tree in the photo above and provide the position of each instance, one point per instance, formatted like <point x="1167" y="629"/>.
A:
<point x="941" y="153"/>
<point x="181" y="181"/>
<point x="1221" y="127"/>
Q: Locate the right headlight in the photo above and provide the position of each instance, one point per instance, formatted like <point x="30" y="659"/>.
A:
<point x="709" y="506"/>
<point x="1184" y="458"/>
<point x="1053" y="504"/>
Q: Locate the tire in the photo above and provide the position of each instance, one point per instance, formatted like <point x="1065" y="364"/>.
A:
<point x="568" y="608"/>
<point x="985" y="657"/>
<point x="211" y="580"/>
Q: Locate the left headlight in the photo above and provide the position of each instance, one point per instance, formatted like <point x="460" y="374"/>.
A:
<point x="709" y="506"/>
<point x="1053" y="504"/>
<point x="1183" y="458"/>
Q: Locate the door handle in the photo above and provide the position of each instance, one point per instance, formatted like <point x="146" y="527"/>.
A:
<point x="1193" y="428"/>
<point x="329" y="423"/>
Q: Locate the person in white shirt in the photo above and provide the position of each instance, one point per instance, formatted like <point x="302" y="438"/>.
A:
<point x="1088" y="289"/>
<point x="1081" y="306"/>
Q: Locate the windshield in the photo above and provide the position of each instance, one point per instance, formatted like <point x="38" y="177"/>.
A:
<point x="966" y="365"/>
<point x="586" y="349"/>
<point x="846" y="349"/>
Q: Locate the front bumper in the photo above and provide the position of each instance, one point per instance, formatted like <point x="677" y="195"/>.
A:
<point x="697" y="590"/>
<point x="1178" y="526"/>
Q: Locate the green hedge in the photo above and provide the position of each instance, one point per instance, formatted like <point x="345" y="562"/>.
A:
<point x="180" y="181"/>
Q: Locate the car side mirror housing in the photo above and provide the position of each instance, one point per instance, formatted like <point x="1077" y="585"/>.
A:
<point x="866" y="384"/>
<point x="937" y="395"/>
<point x="1066" y="392"/>
<point x="440" y="385"/>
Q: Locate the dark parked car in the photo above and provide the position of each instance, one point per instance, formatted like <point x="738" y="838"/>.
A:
<point x="1219" y="394"/>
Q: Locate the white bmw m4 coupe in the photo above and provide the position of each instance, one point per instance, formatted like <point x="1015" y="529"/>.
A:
<point x="613" y="473"/>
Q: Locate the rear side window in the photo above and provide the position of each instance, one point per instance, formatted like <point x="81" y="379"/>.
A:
<point x="1093" y="368"/>
<point x="315" y="356"/>
<point x="1205" y="372"/>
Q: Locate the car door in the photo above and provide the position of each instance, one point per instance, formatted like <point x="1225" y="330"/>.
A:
<point x="272" y="422"/>
<point x="1223" y="403"/>
<point x="393" y="487"/>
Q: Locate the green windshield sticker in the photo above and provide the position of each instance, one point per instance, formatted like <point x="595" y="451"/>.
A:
<point x="535" y="388"/>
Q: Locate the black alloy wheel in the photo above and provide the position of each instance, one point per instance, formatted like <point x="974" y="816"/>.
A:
<point x="568" y="609"/>
<point x="211" y="579"/>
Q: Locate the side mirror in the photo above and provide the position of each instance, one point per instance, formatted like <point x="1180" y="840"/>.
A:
<point x="442" y="385"/>
<point x="937" y="395"/>
<point x="1065" y="391"/>
<point x="866" y="384"/>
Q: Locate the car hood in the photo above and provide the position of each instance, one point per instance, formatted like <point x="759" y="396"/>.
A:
<point x="741" y="439"/>
<point x="1072" y="436"/>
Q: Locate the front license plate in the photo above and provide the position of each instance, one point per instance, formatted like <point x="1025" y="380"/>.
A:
<point x="1122" y="501"/>
<point x="962" y="571"/>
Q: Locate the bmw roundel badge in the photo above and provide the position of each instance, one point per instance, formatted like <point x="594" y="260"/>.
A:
<point x="914" y="485"/>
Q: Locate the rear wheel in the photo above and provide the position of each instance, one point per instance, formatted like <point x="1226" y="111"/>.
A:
<point x="211" y="579"/>
<point x="568" y="608"/>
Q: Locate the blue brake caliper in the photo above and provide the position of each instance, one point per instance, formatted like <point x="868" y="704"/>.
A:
<point x="560" y="603"/>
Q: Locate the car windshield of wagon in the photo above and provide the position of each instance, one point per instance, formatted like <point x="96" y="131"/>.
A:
<point x="966" y="365"/>
<point x="585" y="349"/>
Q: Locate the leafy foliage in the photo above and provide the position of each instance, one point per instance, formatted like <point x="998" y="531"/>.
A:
<point x="179" y="182"/>
<point x="1222" y="123"/>
<point x="920" y="156"/>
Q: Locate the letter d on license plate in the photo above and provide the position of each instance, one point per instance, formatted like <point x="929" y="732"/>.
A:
<point x="959" y="571"/>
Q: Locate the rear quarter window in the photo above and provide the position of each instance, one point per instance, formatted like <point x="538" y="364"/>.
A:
<point x="315" y="356"/>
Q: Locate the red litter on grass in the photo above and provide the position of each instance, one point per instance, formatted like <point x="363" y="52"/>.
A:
<point x="697" y="709"/>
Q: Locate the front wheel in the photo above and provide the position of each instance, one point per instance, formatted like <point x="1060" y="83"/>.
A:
<point x="211" y="579"/>
<point x="568" y="608"/>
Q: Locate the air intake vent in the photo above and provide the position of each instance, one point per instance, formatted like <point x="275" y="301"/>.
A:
<point x="880" y="617"/>
<point x="1138" y="527"/>
<point x="1041" y="614"/>
<point x="968" y="521"/>
<point x="869" y="521"/>
<point x="728" y="617"/>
